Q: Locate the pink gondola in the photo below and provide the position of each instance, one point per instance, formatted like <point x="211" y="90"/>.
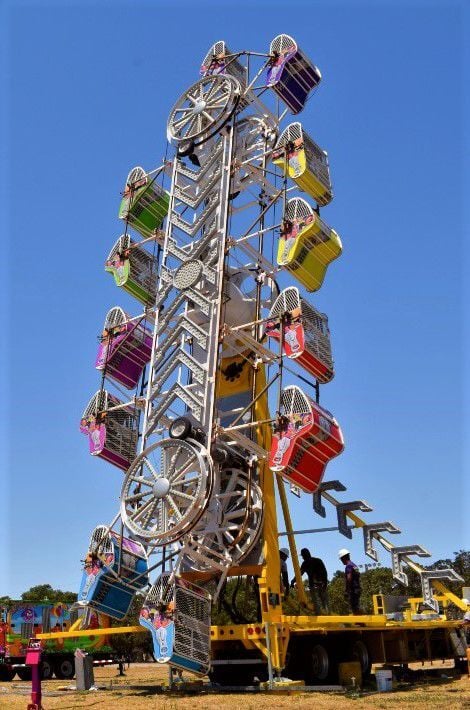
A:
<point x="125" y="348"/>
<point x="306" y="438"/>
<point x="305" y="333"/>
<point x="112" y="433"/>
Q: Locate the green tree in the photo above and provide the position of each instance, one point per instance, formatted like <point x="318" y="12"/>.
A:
<point x="45" y="593"/>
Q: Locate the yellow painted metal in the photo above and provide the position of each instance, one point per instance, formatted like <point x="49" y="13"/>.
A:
<point x="302" y="597"/>
<point x="111" y="631"/>
<point x="307" y="255"/>
<point x="436" y="584"/>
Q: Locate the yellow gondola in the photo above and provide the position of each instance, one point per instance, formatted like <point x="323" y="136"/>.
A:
<point x="306" y="244"/>
<point x="305" y="162"/>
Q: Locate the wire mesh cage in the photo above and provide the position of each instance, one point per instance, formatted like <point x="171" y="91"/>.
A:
<point x="306" y="244"/>
<point x="305" y="439"/>
<point x="125" y="348"/>
<point x="301" y="159"/>
<point x="115" y="569"/>
<point x="134" y="269"/>
<point x="112" y="433"/>
<point x="304" y="332"/>
<point x="178" y="615"/>
<point x="144" y="204"/>
<point x="291" y="74"/>
<point x="220" y="60"/>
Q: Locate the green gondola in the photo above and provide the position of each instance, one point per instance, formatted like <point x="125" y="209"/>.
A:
<point x="144" y="204"/>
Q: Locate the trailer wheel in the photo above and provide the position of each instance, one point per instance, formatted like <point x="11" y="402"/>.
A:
<point x="318" y="664"/>
<point x="64" y="668"/>
<point x="7" y="673"/>
<point x="24" y="673"/>
<point x="46" y="669"/>
<point x="360" y="653"/>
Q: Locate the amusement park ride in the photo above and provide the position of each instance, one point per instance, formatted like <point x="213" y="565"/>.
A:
<point x="210" y="396"/>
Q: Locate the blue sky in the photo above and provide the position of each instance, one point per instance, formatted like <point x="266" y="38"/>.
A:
<point x="86" y="95"/>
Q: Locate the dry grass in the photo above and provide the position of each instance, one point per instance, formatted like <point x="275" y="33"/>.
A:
<point x="138" y="691"/>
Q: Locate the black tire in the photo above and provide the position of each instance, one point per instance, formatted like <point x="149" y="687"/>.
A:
<point x="64" y="668"/>
<point x="318" y="666"/>
<point x="24" y="673"/>
<point x="46" y="669"/>
<point x="360" y="652"/>
<point x="180" y="428"/>
<point x="185" y="148"/>
<point x="7" y="673"/>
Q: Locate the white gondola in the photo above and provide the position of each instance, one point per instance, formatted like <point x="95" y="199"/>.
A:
<point x="134" y="269"/>
<point x="304" y="331"/>
<point x="178" y="615"/>
<point x="112" y="433"/>
<point x="220" y="60"/>
<point x="302" y="160"/>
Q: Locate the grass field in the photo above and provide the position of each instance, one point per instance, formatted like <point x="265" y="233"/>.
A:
<point x="138" y="691"/>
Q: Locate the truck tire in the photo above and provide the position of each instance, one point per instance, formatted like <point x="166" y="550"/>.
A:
<point x="64" y="668"/>
<point x="317" y="665"/>
<point x="46" y="669"/>
<point x="360" y="652"/>
<point x="24" y="673"/>
<point x="7" y="673"/>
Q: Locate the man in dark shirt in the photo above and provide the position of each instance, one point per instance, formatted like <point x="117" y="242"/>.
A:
<point x="317" y="577"/>
<point x="352" y="576"/>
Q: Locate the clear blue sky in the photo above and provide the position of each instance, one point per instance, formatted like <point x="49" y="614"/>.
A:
<point x="86" y="94"/>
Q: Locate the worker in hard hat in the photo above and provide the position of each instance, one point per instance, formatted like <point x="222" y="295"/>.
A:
<point x="352" y="576"/>
<point x="284" y="555"/>
<point x="317" y="577"/>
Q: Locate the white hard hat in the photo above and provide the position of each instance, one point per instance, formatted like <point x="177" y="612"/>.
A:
<point x="343" y="552"/>
<point x="285" y="551"/>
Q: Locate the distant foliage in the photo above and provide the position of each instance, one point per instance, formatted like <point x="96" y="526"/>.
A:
<point x="45" y="593"/>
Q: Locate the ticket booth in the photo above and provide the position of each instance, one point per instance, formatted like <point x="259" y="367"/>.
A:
<point x="306" y="244"/>
<point x="305" y="439"/>
<point x="304" y="332"/>
<point x="302" y="160"/>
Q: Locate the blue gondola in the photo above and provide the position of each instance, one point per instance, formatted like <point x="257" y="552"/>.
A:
<point x="115" y="569"/>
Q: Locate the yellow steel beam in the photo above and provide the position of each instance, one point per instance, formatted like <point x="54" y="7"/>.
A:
<point x="92" y="632"/>
<point x="292" y="546"/>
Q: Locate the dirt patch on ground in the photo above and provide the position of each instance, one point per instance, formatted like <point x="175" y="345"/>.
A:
<point x="139" y="690"/>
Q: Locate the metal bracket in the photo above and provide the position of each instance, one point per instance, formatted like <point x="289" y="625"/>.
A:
<point x="343" y="508"/>
<point x="370" y="533"/>
<point x="398" y="553"/>
<point x="327" y="486"/>
<point x="427" y="576"/>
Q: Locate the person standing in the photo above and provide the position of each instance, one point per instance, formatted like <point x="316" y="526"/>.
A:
<point x="284" y="555"/>
<point x="352" y="578"/>
<point x="317" y="577"/>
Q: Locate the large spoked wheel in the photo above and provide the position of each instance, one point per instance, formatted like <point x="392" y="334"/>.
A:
<point x="166" y="490"/>
<point x="203" y="109"/>
<point x="232" y="522"/>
